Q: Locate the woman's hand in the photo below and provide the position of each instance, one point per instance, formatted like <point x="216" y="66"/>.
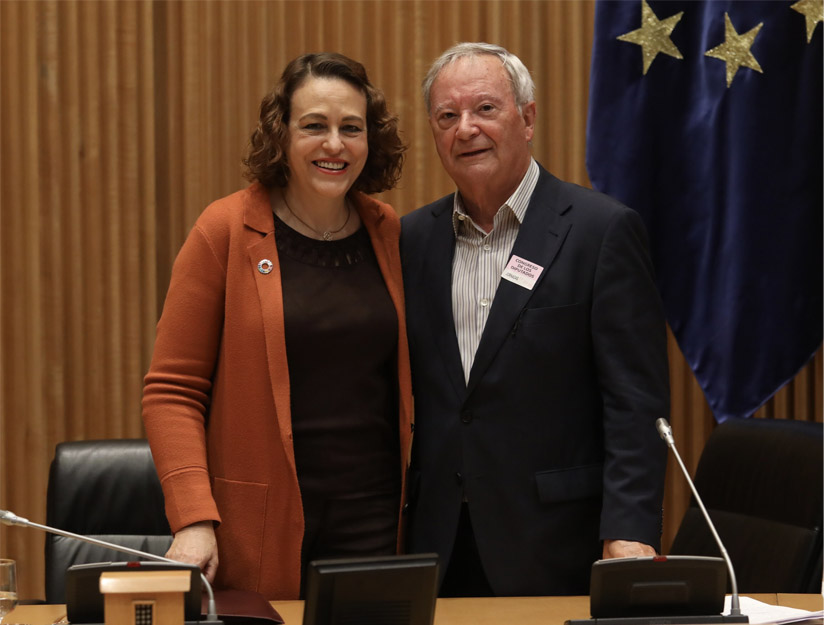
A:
<point x="196" y="544"/>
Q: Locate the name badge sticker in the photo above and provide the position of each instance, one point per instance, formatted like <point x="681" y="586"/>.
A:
<point x="522" y="272"/>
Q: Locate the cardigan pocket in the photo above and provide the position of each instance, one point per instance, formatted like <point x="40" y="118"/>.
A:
<point x="242" y="508"/>
<point x="560" y="485"/>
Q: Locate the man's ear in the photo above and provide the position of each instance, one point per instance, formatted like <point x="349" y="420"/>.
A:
<point x="528" y="114"/>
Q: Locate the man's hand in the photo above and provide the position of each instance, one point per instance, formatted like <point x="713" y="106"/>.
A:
<point x="196" y="544"/>
<point x="626" y="549"/>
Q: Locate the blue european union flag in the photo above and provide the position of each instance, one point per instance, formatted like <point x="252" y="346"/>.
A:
<point x="706" y="117"/>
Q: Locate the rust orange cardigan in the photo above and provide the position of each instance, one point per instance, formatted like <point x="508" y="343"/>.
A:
<point x="216" y="400"/>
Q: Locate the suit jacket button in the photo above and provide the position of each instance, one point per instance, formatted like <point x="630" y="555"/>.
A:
<point x="459" y="478"/>
<point x="466" y="416"/>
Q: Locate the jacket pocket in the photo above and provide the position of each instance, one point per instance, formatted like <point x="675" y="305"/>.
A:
<point x="242" y="508"/>
<point x="552" y="314"/>
<point x="560" y="485"/>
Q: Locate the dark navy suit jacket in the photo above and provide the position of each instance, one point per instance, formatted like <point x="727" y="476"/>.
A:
<point x="553" y="440"/>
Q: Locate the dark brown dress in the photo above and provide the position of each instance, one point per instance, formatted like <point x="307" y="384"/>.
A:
<point x="341" y="341"/>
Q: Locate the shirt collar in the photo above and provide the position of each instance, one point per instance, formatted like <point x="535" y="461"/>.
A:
<point x="517" y="203"/>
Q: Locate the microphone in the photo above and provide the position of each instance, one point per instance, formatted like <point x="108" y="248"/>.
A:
<point x="7" y="517"/>
<point x="665" y="431"/>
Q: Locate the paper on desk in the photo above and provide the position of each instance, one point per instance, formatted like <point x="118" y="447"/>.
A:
<point x="760" y="612"/>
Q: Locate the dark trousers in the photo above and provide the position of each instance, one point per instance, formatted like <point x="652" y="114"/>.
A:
<point x="465" y="575"/>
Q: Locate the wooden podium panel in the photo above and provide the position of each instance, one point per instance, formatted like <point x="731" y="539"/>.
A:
<point x="466" y="611"/>
<point x="530" y="610"/>
<point x="483" y="611"/>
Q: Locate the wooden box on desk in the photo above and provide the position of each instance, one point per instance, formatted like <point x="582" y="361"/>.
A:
<point x="144" y="597"/>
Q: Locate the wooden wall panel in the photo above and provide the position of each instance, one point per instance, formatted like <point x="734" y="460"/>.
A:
<point x="78" y="261"/>
<point x="23" y="431"/>
<point x="121" y="121"/>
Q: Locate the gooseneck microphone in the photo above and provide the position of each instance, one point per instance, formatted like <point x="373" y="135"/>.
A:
<point x="665" y="431"/>
<point x="7" y="517"/>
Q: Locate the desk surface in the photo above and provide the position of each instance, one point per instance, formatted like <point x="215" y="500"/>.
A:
<point x="469" y="611"/>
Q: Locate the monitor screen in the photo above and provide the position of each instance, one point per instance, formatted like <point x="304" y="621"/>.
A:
<point x="391" y="590"/>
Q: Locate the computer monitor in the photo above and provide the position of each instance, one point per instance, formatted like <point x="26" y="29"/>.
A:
<point x="391" y="590"/>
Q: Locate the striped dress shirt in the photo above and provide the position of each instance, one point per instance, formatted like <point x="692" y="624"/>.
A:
<point x="480" y="259"/>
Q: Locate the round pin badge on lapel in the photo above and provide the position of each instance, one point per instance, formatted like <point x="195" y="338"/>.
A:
<point x="265" y="266"/>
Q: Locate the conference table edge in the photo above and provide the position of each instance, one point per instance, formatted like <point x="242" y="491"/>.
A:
<point x="462" y="611"/>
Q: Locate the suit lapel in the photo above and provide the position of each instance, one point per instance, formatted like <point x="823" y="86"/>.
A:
<point x="258" y="216"/>
<point x="539" y="239"/>
<point x="437" y="280"/>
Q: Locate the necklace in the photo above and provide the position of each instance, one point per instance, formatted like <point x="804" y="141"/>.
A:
<point x="326" y="235"/>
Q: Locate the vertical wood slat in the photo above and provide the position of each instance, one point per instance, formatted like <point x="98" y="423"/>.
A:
<point x="111" y="168"/>
<point x="147" y="295"/>
<point x="69" y="188"/>
<point x="92" y="367"/>
<point x="122" y="120"/>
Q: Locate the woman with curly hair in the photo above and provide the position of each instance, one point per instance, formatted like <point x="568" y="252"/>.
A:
<point x="278" y="401"/>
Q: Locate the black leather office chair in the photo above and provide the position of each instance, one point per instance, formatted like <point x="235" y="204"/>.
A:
<point x="106" y="489"/>
<point x="761" y="481"/>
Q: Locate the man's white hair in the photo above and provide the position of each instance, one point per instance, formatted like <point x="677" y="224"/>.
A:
<point x="523" y="88"/>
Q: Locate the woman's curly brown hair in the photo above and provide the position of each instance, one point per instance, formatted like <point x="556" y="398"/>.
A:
<point x="266" y="159"/>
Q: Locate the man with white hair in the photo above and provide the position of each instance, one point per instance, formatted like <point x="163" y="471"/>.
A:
<point x="538" y="350"/>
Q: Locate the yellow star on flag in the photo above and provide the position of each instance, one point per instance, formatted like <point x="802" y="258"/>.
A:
<point x="654" y="35"/>
<point x="813" y="12"/>
<point x="736" y="49"/>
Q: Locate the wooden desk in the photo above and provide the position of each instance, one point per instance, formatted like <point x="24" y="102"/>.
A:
<point x="497" y="611"/>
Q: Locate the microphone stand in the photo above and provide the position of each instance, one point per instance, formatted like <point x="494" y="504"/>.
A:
<point x="7" y="517"/>
<point x="665" y="431"/>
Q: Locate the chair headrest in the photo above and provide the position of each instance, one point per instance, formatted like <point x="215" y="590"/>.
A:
<point x="767" y="468"/>
<point x="105" y="487"/>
